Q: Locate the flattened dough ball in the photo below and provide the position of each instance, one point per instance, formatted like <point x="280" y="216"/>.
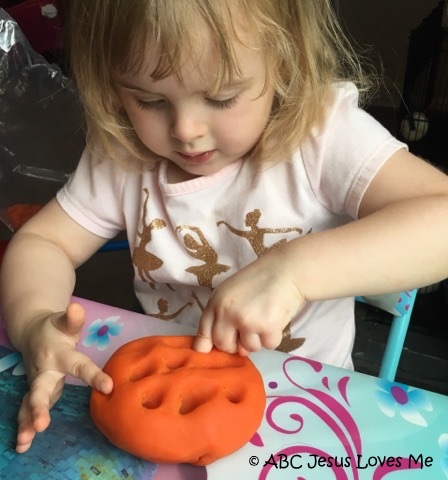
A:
<point x="171" y="404"/>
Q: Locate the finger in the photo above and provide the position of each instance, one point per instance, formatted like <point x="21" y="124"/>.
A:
<point x="45" y="391"/>
<point x="250" y="341"/>
<point x="271" y="340"/>
<point x="225" y="337"/>
<point x="71" y="323"/>
<point x="241" y="350"/>
<point x="34" y="416"/>
<point x="203" y="341"/>
<point x="26" y="431"/>
<point x="77" y="364"/>
<point x="34" y="413"/>
<point x="81" y="366"/>
<point x="25" y="438"/>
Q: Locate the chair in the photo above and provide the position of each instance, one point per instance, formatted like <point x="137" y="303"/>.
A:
<point x="400" y="305"/>
<point x="113" y="245"/>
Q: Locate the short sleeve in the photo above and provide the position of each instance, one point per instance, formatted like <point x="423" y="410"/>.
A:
<point x="93" y="196"/>
<point x="345" y="153"/>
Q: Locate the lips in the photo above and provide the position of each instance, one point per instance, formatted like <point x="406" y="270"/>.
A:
<point x="197" y="158"/>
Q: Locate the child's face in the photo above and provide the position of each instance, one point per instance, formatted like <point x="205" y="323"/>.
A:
<point x="199" y="132"/>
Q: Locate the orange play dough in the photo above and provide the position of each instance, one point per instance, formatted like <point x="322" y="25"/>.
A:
<point x="19" y="213"/>
<point x="171" y="404"/>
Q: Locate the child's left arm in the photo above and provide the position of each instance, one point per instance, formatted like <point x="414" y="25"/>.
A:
<point x="399" y="242"/>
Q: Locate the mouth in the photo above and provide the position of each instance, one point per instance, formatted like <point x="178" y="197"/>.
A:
<point x="197" y="158"/>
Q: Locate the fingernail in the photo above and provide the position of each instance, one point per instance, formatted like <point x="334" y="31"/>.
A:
<point x="103" y="387"/>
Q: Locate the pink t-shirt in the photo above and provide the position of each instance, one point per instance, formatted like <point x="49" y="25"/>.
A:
<point x="186" y="238"/>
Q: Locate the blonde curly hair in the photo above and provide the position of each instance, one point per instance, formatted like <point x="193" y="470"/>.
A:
<point x="303" y="45"/>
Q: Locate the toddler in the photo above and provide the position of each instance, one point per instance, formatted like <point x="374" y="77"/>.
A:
<point x="226" y="138"/>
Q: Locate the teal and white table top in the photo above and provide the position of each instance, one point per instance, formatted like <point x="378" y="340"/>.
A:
<point x="320" y="422"/>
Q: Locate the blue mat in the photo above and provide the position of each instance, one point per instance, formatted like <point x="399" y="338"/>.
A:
<point x="71" y="447"/>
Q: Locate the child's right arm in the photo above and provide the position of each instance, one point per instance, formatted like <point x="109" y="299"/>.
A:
<point x="37" y="281"/>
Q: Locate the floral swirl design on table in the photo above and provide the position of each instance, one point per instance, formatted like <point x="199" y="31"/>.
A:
<point x="332" y="408"/>
<point x="395" y="397"/>
<point x="100" y="330"/>
<point x="443" y="444"/>
<point x="13" y="359"/>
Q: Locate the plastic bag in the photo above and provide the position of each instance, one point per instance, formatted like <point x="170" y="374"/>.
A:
<point x="41" y="124"/>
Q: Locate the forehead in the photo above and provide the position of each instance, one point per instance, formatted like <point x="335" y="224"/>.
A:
<point x="201" y="62"/>
<point x="219" y="52"/>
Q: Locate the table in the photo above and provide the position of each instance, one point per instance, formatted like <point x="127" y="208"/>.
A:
<point x="320" y="422"/>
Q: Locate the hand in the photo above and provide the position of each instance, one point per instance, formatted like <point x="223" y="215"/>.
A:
<point x="249" y="310"/>
<point x="49" y="355"/>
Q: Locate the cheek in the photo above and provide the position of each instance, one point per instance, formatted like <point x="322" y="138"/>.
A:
<point x="246" y="122"/>
<point x="148" y="127"/>
<point x="254" y="113"/>
<point x="143" y="122"/>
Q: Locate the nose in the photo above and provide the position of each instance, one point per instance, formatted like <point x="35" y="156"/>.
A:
<point x="188" y="124"/>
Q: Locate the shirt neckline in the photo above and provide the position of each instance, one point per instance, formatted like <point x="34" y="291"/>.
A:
<point x="195" y="184"/>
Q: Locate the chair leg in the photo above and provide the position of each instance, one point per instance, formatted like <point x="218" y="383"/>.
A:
<point x="395" y="342"/>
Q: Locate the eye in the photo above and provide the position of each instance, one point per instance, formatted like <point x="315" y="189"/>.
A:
<point x="223" y="104"/>
<point x="150" y="104"/>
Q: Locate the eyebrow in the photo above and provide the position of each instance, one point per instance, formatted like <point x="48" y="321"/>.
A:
<point x="137" y="88"/>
